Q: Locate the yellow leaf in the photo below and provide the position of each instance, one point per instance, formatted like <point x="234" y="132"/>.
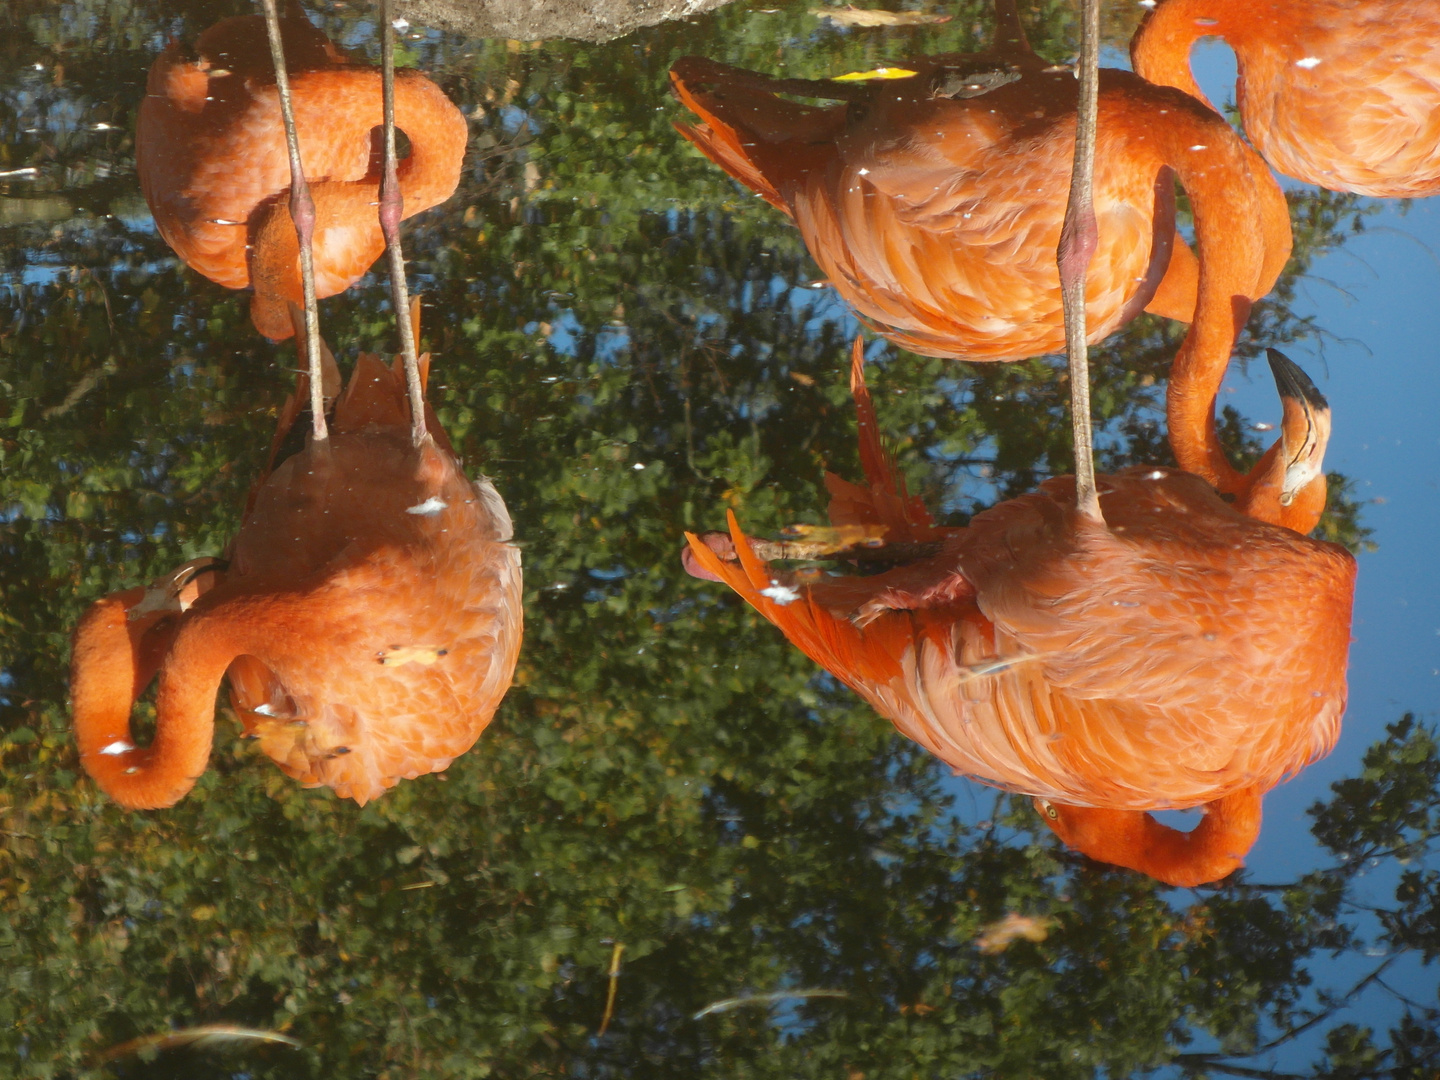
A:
<point x="876" y="73"/>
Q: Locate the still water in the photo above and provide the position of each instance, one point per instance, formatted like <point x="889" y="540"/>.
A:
<point x="680" y="848"/>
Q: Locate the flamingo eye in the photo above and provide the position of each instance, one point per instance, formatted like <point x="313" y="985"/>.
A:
<point x="1050" y="811"/>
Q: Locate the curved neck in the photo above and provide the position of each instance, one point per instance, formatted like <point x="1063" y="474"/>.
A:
<point x="1135" y="840"/>
<point x="1242" y="232"/>
<point x="109" y="670"/>
<point x="437" y="132"/>
<point x="1160" y="50"/>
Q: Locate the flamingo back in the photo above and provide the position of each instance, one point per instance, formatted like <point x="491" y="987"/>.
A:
<point x="215" y="172"/>
<point x="403" y="599"/>
<point x="938" y="219"/>
<point x="1177" y="655"/>
<point x="1339" y="94"/>
<point x="1348" y="98"/>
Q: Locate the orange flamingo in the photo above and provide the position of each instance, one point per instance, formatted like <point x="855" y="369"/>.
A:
<point x="1182" y="652"/>
<point x="369" y="618"/>
<point x="213" y="167"/>
<point x="934" y="205"/>
<point x="1340" y="94"/>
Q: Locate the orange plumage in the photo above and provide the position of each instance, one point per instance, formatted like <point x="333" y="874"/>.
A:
<point x="1340" y="94"/>
<point x="370" y="617"/>
<point x="214" y="169"/>
<point x="1183" y="653"/>
<point x="934" y="205"/>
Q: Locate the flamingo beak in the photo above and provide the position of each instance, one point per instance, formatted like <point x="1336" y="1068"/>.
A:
<point x="177" y="591"/>
<point x="1305" y="429"/>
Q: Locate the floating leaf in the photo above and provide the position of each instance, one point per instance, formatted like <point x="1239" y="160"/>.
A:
<point x="853" y="16"/>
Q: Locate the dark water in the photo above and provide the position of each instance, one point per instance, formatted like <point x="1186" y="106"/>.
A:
<point x="627" y="343"/>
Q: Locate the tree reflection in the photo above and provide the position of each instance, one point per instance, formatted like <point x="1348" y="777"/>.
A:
<point x="741" y="829"/>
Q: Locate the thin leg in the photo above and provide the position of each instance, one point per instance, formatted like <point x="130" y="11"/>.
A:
<point x="302" y="212"/>
<point x="391" y="210"/>
<point x="1078" y="238"/>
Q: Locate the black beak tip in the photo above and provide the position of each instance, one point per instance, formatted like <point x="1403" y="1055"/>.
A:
<point x="1292" y="382"/>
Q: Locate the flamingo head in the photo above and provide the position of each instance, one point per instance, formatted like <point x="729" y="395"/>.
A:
<point x="1287" y="485"/>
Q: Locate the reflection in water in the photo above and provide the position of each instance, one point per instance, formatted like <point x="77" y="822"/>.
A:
<point x="369" y="615"/>
<point x="1340" y="94"/>
<point x="934" y="205"/>
<point x="678" y="777"/>
<point x="213" y="166"/>
<point x="1181" y="653"/>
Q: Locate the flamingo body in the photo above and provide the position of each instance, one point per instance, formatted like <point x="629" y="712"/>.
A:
<point x="215" y="173"/>
<point x="1179" y="654"/>
<point x="1340" y="94"/>
<point x="370" y="620"/>
<point x="938" y="218"/>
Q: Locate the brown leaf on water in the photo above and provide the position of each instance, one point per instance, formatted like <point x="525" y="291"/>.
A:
<point x="853" y="16"/>
<point x="997" y="936"/>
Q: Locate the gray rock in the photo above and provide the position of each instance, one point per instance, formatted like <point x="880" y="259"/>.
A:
<point x="534" y="20"/>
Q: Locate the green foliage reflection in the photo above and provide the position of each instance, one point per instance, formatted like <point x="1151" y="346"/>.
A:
<point x="628" y="344"/>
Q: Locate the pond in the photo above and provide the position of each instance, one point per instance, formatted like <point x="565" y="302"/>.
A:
<point x="680" y="848"/>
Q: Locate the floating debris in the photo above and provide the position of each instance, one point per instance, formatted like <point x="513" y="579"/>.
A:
<point x="766" y="999"/>
<point x="865" y="17"/>
<point x="997" y="936"/>
<point x="205" y="1035"/>
<point x="875" y="73"/>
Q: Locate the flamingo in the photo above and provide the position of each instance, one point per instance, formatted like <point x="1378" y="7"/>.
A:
<point x="1179" y="651"/>
<point x="212" y="159"/>
<point x="933" y="203"/>
<point x="1340" y="94"/>
<point x="368" y="615"/>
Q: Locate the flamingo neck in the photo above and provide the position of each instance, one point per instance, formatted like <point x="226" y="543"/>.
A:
<point x="1160" y="50"/>
<point x="437" y="134"/>
<point x="1194" y="378"/>
<point x="1135" y="840"/>
<point x="108" y="665"/>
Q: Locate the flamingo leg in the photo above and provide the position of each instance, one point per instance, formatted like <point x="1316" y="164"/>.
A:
<point x="302" y="212"/>
<point x="1078" y="239"/>
<point x="391" y="210"/>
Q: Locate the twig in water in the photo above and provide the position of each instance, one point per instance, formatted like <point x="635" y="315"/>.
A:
<point x="615" y="954"/>
<point x="765" y="999"/>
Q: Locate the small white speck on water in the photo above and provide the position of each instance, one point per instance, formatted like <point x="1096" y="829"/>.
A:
<point x="118" y="747"/>
<point x="1308" y="62"/>
<point x="1147" y="3"/>
<point x="781" y="594"/>
<point x="401" y="24"/>
<point x="864" y="172"/>
<point x="264" y="710"/>
<point x="224" y="221"/>
<point x="1199" y="146"/>
<point x="1155" y="474"/>
<point x="102" y="126"/>
<point x="430" y="506"/>
<point x="638" y="466"/>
